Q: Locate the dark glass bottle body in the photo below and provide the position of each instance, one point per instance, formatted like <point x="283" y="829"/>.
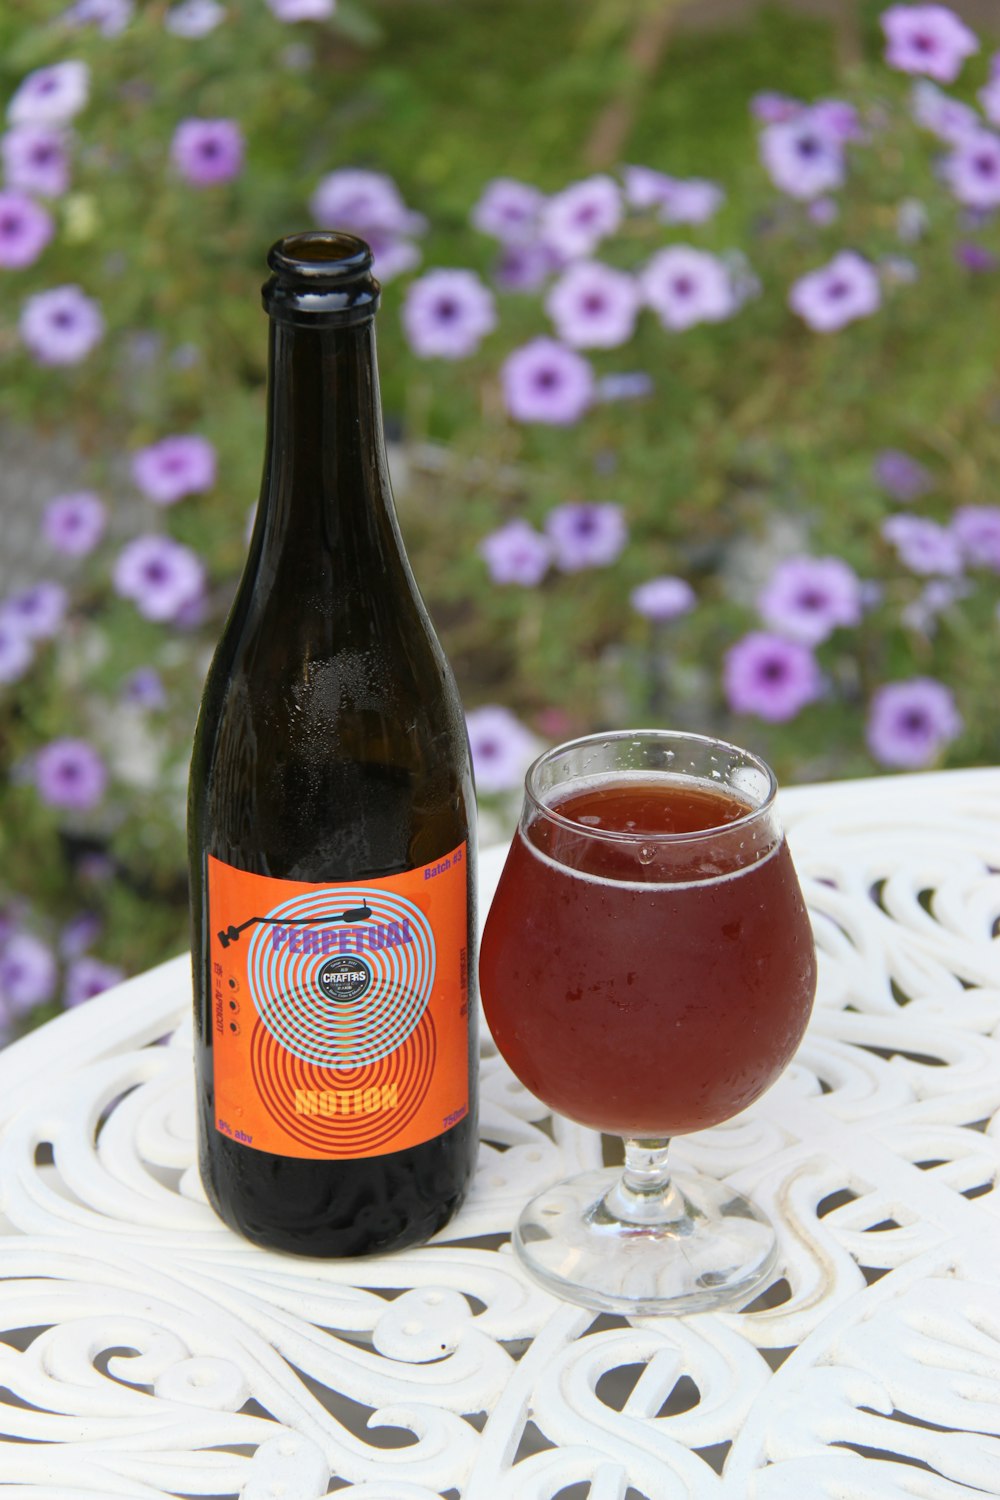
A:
<point x="331" y="744"/>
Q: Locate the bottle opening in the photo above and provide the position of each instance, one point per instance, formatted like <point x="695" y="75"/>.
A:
<point x="320" y="255"/>
<point x="321" y="274"/>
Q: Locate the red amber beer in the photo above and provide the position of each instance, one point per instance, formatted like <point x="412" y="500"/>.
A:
<point x="648" y="967"/>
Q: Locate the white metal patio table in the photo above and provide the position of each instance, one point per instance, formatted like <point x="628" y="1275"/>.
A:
<point x="147" y="1351"/>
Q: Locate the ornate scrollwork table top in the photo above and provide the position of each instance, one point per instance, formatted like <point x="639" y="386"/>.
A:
<point x="146" y="1351"/>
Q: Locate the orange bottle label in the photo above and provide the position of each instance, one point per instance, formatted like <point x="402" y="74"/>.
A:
<point x="340" y="1012"/>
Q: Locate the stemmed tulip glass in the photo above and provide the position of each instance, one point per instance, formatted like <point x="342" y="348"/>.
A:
<point x="647" y="970"/>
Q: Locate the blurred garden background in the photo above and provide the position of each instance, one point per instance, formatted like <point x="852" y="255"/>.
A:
<point x="689" y="361"/>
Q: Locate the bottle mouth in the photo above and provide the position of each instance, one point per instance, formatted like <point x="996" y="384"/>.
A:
<point x="321" y="275"/>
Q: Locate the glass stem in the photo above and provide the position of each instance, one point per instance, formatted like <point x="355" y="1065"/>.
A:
<point x="646" y="1172"/>
<point x="644" y="1195"/>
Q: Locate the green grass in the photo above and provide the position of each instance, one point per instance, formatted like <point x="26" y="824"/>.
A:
<point x="455" y="95"/>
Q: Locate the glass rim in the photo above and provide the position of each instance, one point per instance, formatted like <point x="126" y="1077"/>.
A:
<point x="616" y="835"/>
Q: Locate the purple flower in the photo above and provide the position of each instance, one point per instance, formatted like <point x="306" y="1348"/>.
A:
<point x="574" y="222"/>
<point x="898" y="270"/>
<point x="144" y="347"/>
<point x="194" y="18"/>
<point x="391" y="255"/>
<point x="949" y="119"/>
<point x="192" y="613"/>
<point x="936" y="596"/>
<point x="972" y="171"/>
<point x="845" y="289"/>
<point x="662" y="599"/>
<point x="680" y="200"/>
<point x="25" y="230"/>
<point x="61" y="326"/>
<point x="646" y="188"/>
<point x="684" y="286"/>
<point x="16" y="653"/>
<point x="37" y="611"/>
<point x="516" y="553"/>
<point x="824" y="211"/>
<point x="770" y="676"/>
<point x="593" y="306"/>
<point x="78" y="934"/>
<point x="162" y="577"/>
<point x="447" y="314"/>
<point x="144" y="688"/>
<point x="109" y="16"/>
<point x="70" y="773"/>
<point x="692" y="200"/>
<point x="976" y="258"/>
<point x="901" y="476"/>
<point x="802" y="155"/>
<point x="770" y="106"/>
<point x="502" y="748"/>
<point x="74" y="524"/>
<point x="508" y="210"/>
<point x="176" y="466"/>
<point x="87" y="977"/>
<point x="207" y="152"/>
<point x="585" y="534"/>
<point x="27" y="974"/>
<point x="838" y="119"/>
<point x="976" y="529"/>
<point x="928" y="39"/>
<point x="362" y="202"/>
<point x="923" y="546"/>
<point x="35" y="160"/>
<point x="51" y="96"/>
<point x="523" y="268"/>
<point x="301" y="10"/>
<point x="543" y="381"/>
<point x="628" y="385"/>
<point x="807" y="598"/>
<point x="910" y="723"/>
<point x="989" y="98"/>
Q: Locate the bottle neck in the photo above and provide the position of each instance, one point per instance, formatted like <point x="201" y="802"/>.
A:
<point x="325" y="466"/>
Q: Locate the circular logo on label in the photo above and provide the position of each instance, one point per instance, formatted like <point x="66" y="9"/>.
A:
<point x="372" y="996"/>
<point x="344" y="978"/>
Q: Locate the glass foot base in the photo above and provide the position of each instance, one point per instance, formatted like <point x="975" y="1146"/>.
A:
<point x="703" y="1246"/>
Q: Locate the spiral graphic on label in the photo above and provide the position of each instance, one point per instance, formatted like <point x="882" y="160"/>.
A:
<point x="342" y="1112"/>
<point x="342" y="994"/>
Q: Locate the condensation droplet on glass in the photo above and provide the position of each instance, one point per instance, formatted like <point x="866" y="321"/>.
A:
<point x="646" y="854"/>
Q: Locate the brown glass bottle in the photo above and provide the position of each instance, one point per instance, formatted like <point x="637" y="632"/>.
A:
<point x="331" y="758"/>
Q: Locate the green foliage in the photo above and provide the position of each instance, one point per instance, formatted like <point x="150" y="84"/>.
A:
<point x="756" y="430"/>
